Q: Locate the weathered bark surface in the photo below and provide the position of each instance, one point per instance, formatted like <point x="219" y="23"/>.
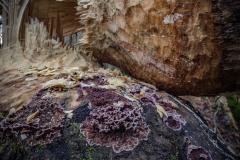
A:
<point x="184" y="47"/>
<point x="226" y="18"/>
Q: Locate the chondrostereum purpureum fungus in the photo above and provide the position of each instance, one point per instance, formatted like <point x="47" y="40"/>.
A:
<point x="198" y="152"/>
<point x="115" y="104"/>
<point x="116" y="119"/>
<point x="98" y="97"/>
<point x="39" y="121"/>
<point x="174" y="120"/>
<point x="119" y="125"/>
<point x="149" y="96"/>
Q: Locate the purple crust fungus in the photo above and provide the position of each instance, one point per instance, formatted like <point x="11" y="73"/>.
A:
<point x="98" y="80"/>
<point x="99" y="96"/>
<point x="198" y="153"/>
<point x="120" y="125"/>
<point x="151" y="97"/>
<point x="174" y="120"/>
<point x="134" y="88"/>
<point x="40" y="120"/>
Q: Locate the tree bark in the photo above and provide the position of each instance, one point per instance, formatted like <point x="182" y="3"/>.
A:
<point x="183" y="47"/>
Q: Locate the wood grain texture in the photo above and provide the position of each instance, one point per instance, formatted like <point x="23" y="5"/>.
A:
<point x="182" y="47"/>
<point x="17" y="81"/>
<point x="59" y="17"/>
<point x="62" y="12"/>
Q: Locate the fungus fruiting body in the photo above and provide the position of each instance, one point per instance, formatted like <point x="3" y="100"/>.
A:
<point x="114" y="120"/>
<point x="98" y="80"/>
<point x="115" y="117"/>
<point x="40" y="120"/>
<point x="165" y="108"/>
<point x="198" y="152"/>
<point x="174" y="120"/>
<point x="120" y="125"/>
<point x="99" y="96"/>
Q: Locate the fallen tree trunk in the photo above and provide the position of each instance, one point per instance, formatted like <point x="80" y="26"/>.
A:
<point x="47" y="81"/>
<point x="184" y="47"/>
<point x="64" y="75"/>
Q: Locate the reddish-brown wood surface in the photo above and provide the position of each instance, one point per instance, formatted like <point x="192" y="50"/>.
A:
<point x="184" y="47"/>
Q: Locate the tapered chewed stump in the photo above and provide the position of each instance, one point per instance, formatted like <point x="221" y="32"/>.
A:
<point x="181" y="46"/>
